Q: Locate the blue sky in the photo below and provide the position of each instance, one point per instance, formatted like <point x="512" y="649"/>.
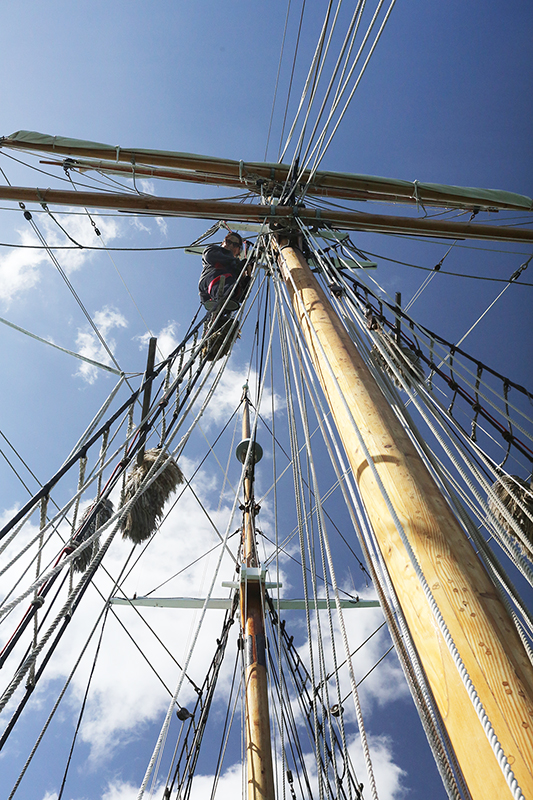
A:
<point x="446" y="98"/>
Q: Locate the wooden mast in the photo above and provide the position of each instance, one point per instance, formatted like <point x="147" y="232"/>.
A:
<point x="479" y="624"/>
<point x="260" y="776"/>
<point x="473" y="612"/>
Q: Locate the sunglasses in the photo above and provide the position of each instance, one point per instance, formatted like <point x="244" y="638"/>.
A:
<point x="234" y="243"/>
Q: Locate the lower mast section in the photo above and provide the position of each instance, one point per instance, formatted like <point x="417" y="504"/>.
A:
<point x="260" y="776"/>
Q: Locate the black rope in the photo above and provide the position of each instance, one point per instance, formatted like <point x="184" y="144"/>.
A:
<point x="82" y="451"/>
<point x="82" y="709"/>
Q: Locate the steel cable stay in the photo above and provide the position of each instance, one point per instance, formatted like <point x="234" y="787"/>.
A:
<point x="321" y="533"/>
<point x="164" y="731"/>
<point x="452" y="489"/>
<point x="291" y="80"/>
<point x="519" y="560"/>
<point x="315" y="595"/>
<point x="446" y="347"/>
<point x="416" y="679"/>
<point x="277" y="78"/>
<point x="429" y="715"/>
<point x="291" y="668"/>
<point x="319" y="149"/>
<point x="355" y="21"/>
<point x="302" y="530"/>
<point x="322" y="54"/>
<point x="309" y="78"/>
<point x="393" y="367"/>
<point x="523" y="564"/>
<point x="151" y="769"/>
<point x="414" y="674"/>
<point x="467" y="380"/>
<point x="351" y="32"/>
<point x="477" y="706"/>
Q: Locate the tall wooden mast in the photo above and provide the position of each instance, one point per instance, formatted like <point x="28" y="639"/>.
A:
<point x="473" y="617"/>
<point x="458" y="622"/>
<point x="260" y="775"/>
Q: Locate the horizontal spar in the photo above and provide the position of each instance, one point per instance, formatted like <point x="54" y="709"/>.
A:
<point x="229" y="172"/>
<point x="216" y="209"/>
<point x="226" y="602"/>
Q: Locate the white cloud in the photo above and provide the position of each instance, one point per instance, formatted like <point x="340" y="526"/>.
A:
<point x="162" y="225"/>
<point x="383" y="685"/>
<point x="20" y="269"/>
<point x="389" y="776"/>
<point x="229" y="786"/>
<point x="147" y="186"/>
<point x="90" y="346"/>
<point x="167" y="339"/>
<point x="137" y="223"/>
<point x="118" y="790"/>
<point x="126" y="695"/>
<point x="228" y="395"/>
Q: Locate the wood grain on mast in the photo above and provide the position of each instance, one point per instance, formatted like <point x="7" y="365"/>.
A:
<point x="474" y="614"/>
<point x="260" y="776"/>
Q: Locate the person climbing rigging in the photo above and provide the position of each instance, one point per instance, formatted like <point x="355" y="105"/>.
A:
<point x="223" y="262"/>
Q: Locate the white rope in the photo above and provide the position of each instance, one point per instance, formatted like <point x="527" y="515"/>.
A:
<point x="360" y="721"/>
<point x="476" y="702"/>
<point x="324" y="544"/>
<point x="351" y="32"/>
<point x="62" y="349"/>
<point x="55" y="707"/>
<point x="32" y="657"/>
<point x="429" y="399"/>
<point x="317" y="78"/>
<point x="320" y="153"/>
<point x="166" y="724"/>
<point x="308" y="79"/>
<point x="416" y="680"/>
<point x="318" y="508"/>
<point x="85" y="436"/>
<point x="165" y="727"/>
<point x="302" y="524"/>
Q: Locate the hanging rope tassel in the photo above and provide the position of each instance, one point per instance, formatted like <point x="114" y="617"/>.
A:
<point x="103" y="514"/>
<point x="517" y="497"/>
<point x="143" y="517"/>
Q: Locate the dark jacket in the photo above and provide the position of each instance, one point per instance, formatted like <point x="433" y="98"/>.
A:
<point x="218" y="260"/>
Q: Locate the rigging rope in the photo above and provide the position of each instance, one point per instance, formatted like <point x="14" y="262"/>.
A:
<point x="63" y="274"/>
<point x="476" y="702"/>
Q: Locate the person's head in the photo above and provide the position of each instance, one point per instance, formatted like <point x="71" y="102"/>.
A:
<point x="233" y="242"/>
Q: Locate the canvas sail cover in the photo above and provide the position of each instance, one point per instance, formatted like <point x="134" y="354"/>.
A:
<point x="368" y="184"/>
